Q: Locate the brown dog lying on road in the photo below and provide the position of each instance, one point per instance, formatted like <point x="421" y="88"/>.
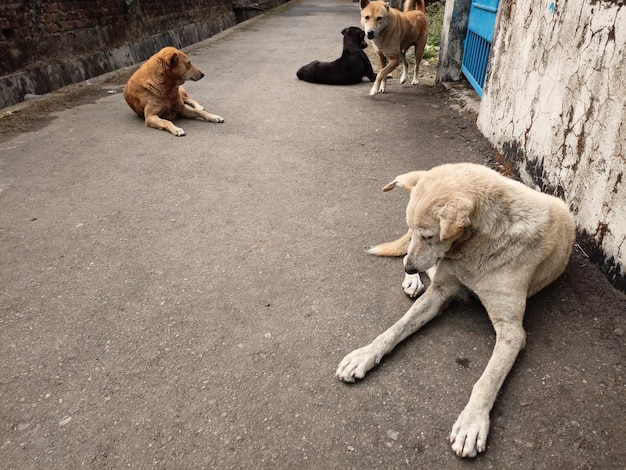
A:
<point x="154" y="91"/>
<point x="392" y="32"/>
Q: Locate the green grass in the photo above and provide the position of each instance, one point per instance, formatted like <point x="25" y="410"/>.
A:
<point x="434" y="16"/>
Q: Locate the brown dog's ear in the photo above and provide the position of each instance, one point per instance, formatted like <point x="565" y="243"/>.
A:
<point x="453" y="218"/>
<point x="173" y="60"/>
<point x="406" y="181"/>
<point x="364" y="3"/>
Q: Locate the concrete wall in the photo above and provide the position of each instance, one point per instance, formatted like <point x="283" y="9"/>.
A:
<point x="452" y="35"/>
<point x="554" y="103"/>
<point x="45" y="45"/>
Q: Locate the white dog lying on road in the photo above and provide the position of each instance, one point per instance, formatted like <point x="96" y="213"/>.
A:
<point x="486" y="233"/>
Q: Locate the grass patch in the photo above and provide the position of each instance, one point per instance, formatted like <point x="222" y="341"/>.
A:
<point x="434" y="16"/>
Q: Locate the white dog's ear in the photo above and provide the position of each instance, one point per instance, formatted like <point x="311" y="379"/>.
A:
<point x="406" y="181"/>
<point x="453" y="218"/>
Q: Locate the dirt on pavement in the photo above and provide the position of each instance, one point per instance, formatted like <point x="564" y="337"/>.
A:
<point x="184" y="302"/>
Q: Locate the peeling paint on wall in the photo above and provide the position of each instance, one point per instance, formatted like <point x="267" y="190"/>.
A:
<point x="555" y="102"/>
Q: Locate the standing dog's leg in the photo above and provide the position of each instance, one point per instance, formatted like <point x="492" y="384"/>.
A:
<point x="405" y="67"/>
<point x="356" y="364"/>
<point x="418" y="47"/>
<point x="380" y="85"/>
<point x="380" y="79"/>
<point x="469" y="433"/>
<point x="416" y="67"/>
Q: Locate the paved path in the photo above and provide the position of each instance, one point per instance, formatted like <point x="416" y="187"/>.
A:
<point x="182" y="303"/>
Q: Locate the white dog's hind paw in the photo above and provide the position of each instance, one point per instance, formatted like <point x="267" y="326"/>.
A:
<point x="469" y="433"/>
<point x="412" y="285"/>
<point x="356" y="364"/>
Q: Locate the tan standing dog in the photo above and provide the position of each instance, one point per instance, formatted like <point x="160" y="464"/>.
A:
<point x="393" y="32"/>
<point x="154" y="91"/>
<point x="481" y="231"/>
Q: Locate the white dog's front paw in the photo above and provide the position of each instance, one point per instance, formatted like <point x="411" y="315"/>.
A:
<point x="374" y="90"/>
<point x="469" y="433"/>
<point x="356" y="364"/>
<point x="415" y="82"/>
<point x="178" y="132"/>
<point x="218" y="119"/>
<point x="412" y="285"/>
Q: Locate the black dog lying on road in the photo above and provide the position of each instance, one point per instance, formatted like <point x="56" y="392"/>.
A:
<point x="349" y="69"/>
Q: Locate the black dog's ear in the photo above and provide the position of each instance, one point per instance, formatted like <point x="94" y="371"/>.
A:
<point x="362" y="38"/>
<point x="343" y="31"/>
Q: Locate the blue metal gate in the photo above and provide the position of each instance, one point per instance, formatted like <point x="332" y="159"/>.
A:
<point x="477" y="44"/>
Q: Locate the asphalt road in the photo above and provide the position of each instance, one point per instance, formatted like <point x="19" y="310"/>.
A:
<point x="183" y="302"/>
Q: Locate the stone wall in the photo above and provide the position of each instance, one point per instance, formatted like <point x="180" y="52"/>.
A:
<point x="554" y="104"/>
<point x="49" y="44"/>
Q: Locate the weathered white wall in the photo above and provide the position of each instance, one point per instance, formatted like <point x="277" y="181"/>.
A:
<point x="453" y="33"/>
<point x="555" y="103"/>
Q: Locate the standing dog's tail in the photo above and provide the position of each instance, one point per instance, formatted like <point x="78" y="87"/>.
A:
<point x="414" y="5"/>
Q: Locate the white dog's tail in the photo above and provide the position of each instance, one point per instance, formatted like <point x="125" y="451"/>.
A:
<point x="397" y="247"/>
<point x="400" y="246"/>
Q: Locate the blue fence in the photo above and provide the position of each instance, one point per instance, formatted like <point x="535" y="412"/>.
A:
<point x="477" y="44"/>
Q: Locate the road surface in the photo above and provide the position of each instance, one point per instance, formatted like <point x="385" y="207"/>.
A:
<point x="183" y="302"/>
